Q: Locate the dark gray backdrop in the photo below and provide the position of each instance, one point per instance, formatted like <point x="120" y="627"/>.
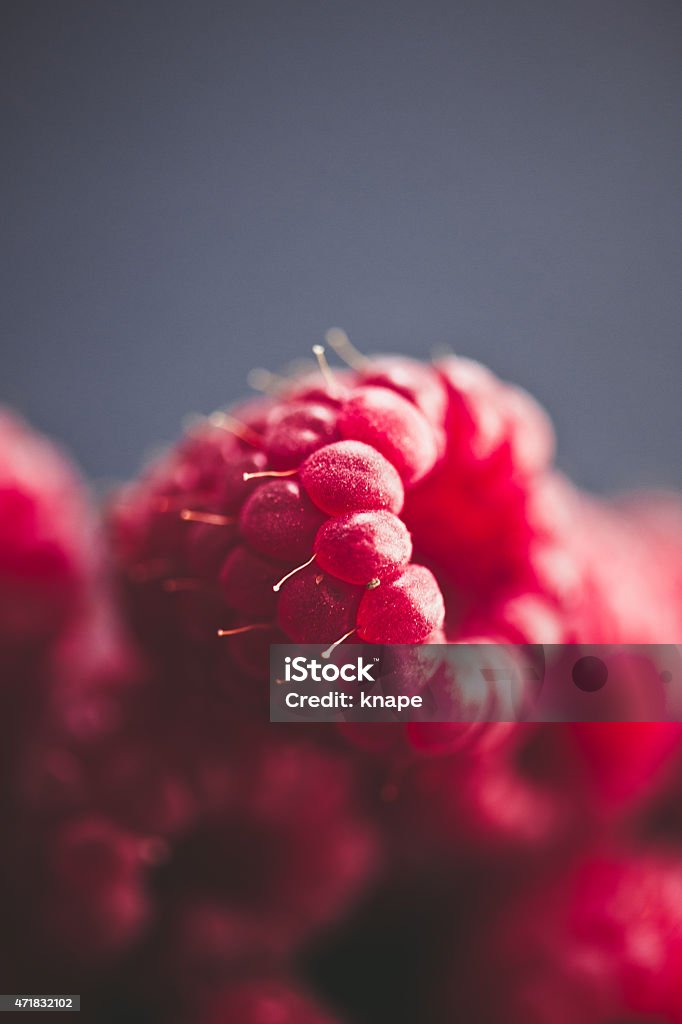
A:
<point x="193" y="188"/>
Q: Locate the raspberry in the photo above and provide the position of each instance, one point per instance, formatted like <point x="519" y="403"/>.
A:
<point x="303" y="852"/>
<point x="47" y="539"/>
<point x="507" y="569"/>
<point x="167" y="824"/>
<point x="606" y="938"/>
<point x="64" y="664"/>
<point x="295" y="863"/>
<point x="624" y="759"/>
<point x="60" y="645"/>
<point x="630" y="575"/>
<point x="630" y="909"/>
<point x="480" y="790"/>
<point x="278" y="521"/>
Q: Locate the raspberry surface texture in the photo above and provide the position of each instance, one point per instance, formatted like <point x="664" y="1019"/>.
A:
<point x="176" y="857"/>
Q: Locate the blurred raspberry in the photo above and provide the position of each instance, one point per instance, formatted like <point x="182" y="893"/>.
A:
<point x="68" y="882"/>
<point x="601" y="943"/>
<point x="47" y="537"/>
<point x="263" y="1001"/>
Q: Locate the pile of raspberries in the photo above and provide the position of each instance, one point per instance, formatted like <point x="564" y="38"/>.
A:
<point x="175" y="858"/>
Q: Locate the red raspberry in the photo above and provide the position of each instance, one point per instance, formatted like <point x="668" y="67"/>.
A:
<point x="623" y="760"/>
<point x="630" y="909"/>
<point x="605" y="940"/>
<point x="173" y="792"/>
<point x="476" y="796"/>
<point x="302" y="850"/>
<point x="61" y="648"/>
<point x="631" y="573"/>
<point x="47" y="537"/>
<point x="172" y="817"/>
<point x="73" y="884"/>
<point x="184" y="832"/>
<point x="503" y="535"/>
<point x="285" y="520"/>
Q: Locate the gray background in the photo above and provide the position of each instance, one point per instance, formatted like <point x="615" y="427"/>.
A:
<point x="193" y="188"/>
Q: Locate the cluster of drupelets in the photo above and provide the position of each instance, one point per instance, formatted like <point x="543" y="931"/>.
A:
<point x="176" y="858"/>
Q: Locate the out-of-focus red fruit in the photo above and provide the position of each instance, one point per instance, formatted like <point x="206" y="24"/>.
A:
<point x="472" y="794"/>
<point x="304" y="850"/>
<point x="413" y="380"/>
<point x="96" y="904"/>
<point x="630" y="909"/>
<point x="263" y="1002"/>
<point x="510" y="552"/>
<point x="622" y="760"/>
<point x="47" y="536"/>
<point x="607" y="933"/>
